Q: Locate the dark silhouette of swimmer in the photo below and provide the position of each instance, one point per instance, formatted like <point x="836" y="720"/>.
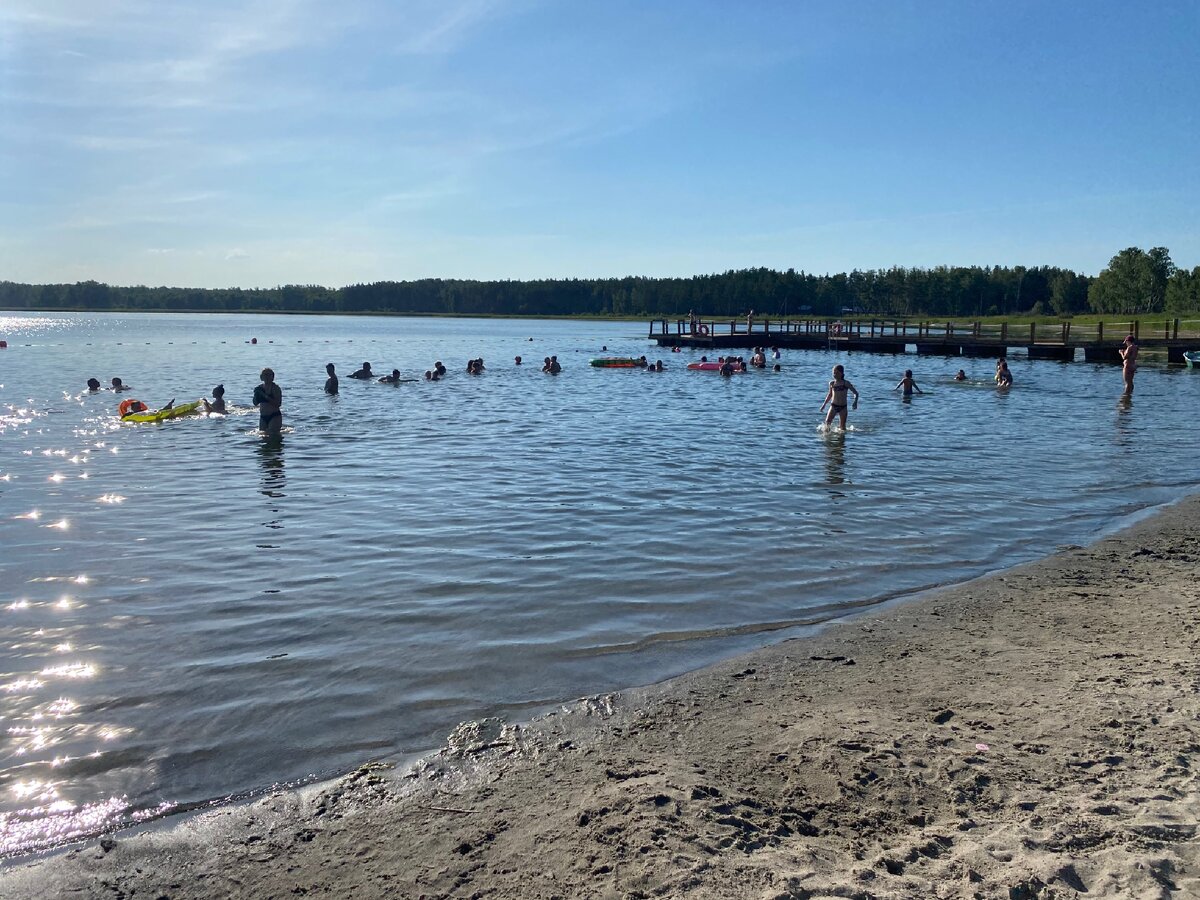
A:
<point x="331" y="383"/>
<point x="218" y="401"/>
<point x="93" y="385"/>
<point x="394" y="378"/>
<point x="269" y="398"/>
<point x="517" y="360"/>
<point x="118" y="386"/>
<point x="363" y="374"/>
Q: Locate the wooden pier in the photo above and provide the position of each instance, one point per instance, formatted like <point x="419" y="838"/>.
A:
<point x="1099" y="341"/>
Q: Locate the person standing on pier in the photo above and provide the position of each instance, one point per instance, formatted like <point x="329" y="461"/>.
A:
<point x="836" y="397"/>
<point x="1129" y="355"/>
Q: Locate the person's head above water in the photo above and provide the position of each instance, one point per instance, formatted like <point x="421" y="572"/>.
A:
<point x="366" y="365"/>
<point x="908" y="373"/>
<point x="329" y="368"/>
<point x="116" y="382"/>
<point x="267" y="375"/>
<point x="219" y="390"/>
<point x="93" y="384"/>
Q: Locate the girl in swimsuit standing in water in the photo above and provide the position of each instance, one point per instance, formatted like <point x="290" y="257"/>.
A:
<point x="836" y="397"/>
<point x="269" y="398"/>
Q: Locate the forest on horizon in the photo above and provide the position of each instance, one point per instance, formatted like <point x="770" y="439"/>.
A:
<point x="1136" y="282"/>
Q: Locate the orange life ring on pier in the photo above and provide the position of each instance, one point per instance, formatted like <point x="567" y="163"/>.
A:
<point x="703" y="329"/>
<point x="127" y="407"/>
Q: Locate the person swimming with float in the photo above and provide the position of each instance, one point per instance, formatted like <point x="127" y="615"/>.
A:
<point x="269" y="399"/>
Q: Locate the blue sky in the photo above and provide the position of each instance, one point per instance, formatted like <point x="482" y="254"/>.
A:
<point x="250" y="144"/>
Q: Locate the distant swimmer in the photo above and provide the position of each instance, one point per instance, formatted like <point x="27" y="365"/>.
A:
<point x="546" y="365"/>
<point x="363" y="374"/>
<point x="517" y="360"/>
<point x="118" y="386"/>
<point x="961" y="376"/>
<point x="129" y="407"/>
<point x="439" y="370"/>
<point x="908" y="384"/>
<point x="269" y="400"/>
<point x="331" y="383"/>
<point x="217" y="404"/>
<point x="394" y="378"/>
<point x="836" y="397"/>
<point x="93" y="385"/>
<point x="1003" y="375"/>
<point x="555" y="365"/>
<point x="1129" y="355"/>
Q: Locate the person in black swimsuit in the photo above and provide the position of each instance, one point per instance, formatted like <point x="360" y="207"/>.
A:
<point x="269" y="398"/>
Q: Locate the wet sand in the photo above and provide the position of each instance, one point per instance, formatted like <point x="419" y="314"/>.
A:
<point x="1031" y="734"/>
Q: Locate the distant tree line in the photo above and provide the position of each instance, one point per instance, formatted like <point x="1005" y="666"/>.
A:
<point x="1135" y="282"/>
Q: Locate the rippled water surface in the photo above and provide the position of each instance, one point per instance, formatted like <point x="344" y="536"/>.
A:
<point x="189" y="613"/>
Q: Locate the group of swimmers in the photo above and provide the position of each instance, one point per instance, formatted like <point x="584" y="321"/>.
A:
<point x="268" y="397"/>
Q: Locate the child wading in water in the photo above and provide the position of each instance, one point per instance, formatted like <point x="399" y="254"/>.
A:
<point x="908" y="384"/>
<point x="836" y="397"/>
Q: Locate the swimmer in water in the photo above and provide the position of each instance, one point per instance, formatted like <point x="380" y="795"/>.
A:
<point x="331" y="383"/>
<point x="517" y="360"/>
<point x="837" y="395"/>
<point x="118" y="386"/>
<point x="363" y="374"/>
<point x="269" y="400"/>
<point x="961" y="376"/>
<point x="217" y="405"/>
<point x="394" y="378"/>
<point x="93" y="385"/>
<point x="908" y="384"/>
<point x="1003" y="376"/>
<point x="1129" y="355"/>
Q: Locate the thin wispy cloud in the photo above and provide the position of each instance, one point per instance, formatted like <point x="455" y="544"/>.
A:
<point x="599" y="132"/>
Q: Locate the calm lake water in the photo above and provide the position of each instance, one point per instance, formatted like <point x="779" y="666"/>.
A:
<point x="188" y="613"/>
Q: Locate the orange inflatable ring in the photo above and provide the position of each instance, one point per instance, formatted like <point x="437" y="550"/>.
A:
<point x="128" y="407"/>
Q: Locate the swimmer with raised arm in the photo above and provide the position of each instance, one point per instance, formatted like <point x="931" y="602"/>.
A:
<point x="836" y="397"/>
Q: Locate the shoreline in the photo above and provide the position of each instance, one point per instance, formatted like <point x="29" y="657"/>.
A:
<point x="1026" y="731"/>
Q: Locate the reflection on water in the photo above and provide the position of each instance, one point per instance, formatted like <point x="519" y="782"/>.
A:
<point x="835" y="461"/>
<point x="270" y="456"/>
<point x="475" y="546"/>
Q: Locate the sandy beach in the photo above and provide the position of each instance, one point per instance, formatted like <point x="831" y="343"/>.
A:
<point x="1031" y="734"/>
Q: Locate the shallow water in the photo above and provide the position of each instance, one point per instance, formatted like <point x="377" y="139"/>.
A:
<point x="188" y="613"/>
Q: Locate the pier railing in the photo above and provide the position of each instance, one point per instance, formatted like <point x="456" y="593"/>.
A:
<point x="1064" y="334"/>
